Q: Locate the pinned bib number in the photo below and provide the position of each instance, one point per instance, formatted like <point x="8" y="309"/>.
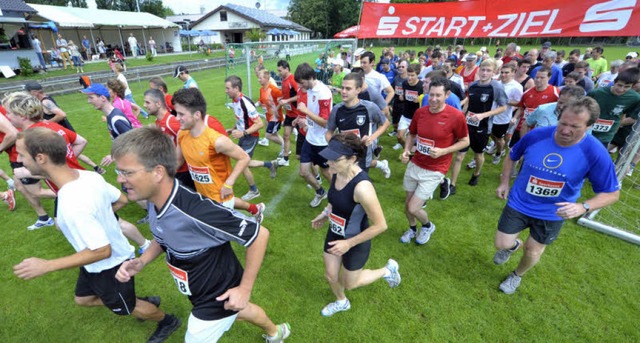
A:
<point x="472" y="122"/>
<point x="336" y="224"/>
<point x="200" y="174"/>
<point x="602" y="125"/>
<point x="544" y="188"/>
<point x="181" y="278"/>
<point x="424" y="145"/>
<point x="354" y="131"/>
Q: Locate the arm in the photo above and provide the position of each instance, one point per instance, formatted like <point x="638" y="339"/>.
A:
<point x="59" y="114"/>
<point x="78" y="145"/>
<point x="390" y="94"/>
<point x="569" y="210"/>
<point x="382" y="128"/>
<point x="493" y="112"/>
<point x="257" y="125"/>
<point x="34" y="267"/>
<point x="120" y="203"/>
<point x="130" y="268"/>
<point x="316" y="118"/>
<point x="225" y="146"/>
<point x="410" y="142"/>
<point x="462" y="143"/>
<point x="503" y="189"/>
<point x="11" y="133"/>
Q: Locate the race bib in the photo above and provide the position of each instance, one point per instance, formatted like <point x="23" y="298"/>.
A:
<point x="544" y="188"/>
<point x="424" y="145"/>
<point x="310" y="122"/>
<point x="181" y="278"/>
<point x="472" y="122"/>
<point x="336" y="224"/>
<point x="399" y="91"/>
<point x="602" y="125"/>
<point x="410" y="95"/>
<point x="354" y="131"/>
<point x="200" y="174"/>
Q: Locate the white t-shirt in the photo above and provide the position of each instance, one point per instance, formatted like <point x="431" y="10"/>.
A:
<point x="133" y="42"/>
<point x="606" y="79"/>
<point x="123" y="79"/>
<point x="376" y="81"/>
<point x="86" y="219"/>
<point x="514" y="92"/>
<point x="320" y="102"/>
<point x="457" y="79"/>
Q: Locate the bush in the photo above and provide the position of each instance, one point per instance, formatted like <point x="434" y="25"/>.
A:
<point x="25" y="66"/>
<point x="149" y="56"/>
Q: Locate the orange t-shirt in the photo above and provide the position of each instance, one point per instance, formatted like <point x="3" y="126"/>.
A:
<point x="268" y="98"/>
<point x="208" y="168"/>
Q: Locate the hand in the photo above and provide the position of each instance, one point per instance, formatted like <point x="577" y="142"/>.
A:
<point x="502" y="191"/>
<point x="31" y="268"/>
<point x="436" y="152"/>
<point x="282" y="102"/>
<point x="513" y="121"/>
<point x="366" y="140"/>
<point x="225" y="192"/>
<point x="339" y="248"/>
<point x="129" y="269"/>
<point x="569" y="210"/>
<point x="21" y="173"/>
<point x="237" y="134"/>
<point x="237" y="298"/>
<point x="106" y="161"/>
<point x="319" y="221"/>
<point x="405" y="156"/>
<point x="474" y="116"/>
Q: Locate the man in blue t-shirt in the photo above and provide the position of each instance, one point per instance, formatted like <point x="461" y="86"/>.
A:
<point x="544" y="195"/>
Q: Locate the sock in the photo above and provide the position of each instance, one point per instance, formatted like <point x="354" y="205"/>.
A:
<point x="286" y="158"/>
<point x="413" y="228"/>
<point x="44" y="218"/>
<point x="253" y="209"/>
<point x="379" y="165"/>
<point x="387" y="272"/>
<point x="253" y="188"/>
<point x="267" y="164"/>
<point x="516" y="274"/>
<point x="318" y="178"/>
<point x="146" y="244"/>
<point x="320" y="191"/>
<point x="427" y="225"/>
<point x="342" y="302"/>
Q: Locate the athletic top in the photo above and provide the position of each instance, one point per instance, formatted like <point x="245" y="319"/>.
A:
<point x="362" y="120"/>
<point x="376" y="81"/>
<point x="319" y="101"/>
<point x="208" y="168"/>
<point x="87" y="220"/>
<point x="215" y="124"/>
<point x="48" y="116"/>
<point x="168" y="101"/>
<point x="452" y="100"/>
<point x="598" y="66"/>
<point x="190" y="81"/>
<point x="612" y="108"/>
<point x="123" y="79"/>
<point x="11" y="151"/>
<point x="117" y="123"/>
<point x="170" y="126"/>
<point x="543" y="116"/>
<point x="347" y="217"/>
<point x="271" y="95"/>
<point x="195" y="233"/>
<point x="397" y="87"/>
<point x="290" y="89"/>
<point x="483" y="98"/>
<point x="532" y="98"/>
<point x="126" y="108"/>
<point x="411" y="94"/>
<point x="513" y="89"/>
<point x="458" y="80"/>
<point x="556" y="78"/>
<point x="468" y="78"/>
<point x="451" y="127"/>
<point x="551" y="173"/>
<point x="245" y="112"/>
<point x="567" y="68"/>
<point x="375" y="98"/>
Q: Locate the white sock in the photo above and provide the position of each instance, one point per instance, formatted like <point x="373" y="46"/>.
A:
<point x="342" y="302"/>
<point x="146" y="244"/>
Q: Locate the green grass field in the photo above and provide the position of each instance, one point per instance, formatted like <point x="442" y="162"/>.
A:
<point x="584" y="289"/>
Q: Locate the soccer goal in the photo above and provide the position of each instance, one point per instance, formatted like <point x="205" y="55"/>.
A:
<point x="622" y="219"/>
<point x="242" y="59"/>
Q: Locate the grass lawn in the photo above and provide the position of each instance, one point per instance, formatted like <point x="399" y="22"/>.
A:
<point x="582" y="290"/>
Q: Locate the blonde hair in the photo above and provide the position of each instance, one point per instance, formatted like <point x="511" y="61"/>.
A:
<point x="23" y="104"/>
<point x="489" y="62"/>
<point x="118" y="68"/>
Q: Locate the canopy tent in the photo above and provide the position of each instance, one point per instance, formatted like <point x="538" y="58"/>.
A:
<point x="351" y="32"/>
<point x="274" y="31"/>
<point x="46" y="26"/>
<point x="189" y="33"/>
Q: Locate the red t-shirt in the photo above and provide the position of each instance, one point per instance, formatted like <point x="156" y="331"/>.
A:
<point x="468" y="79"/>
<point x="270" y="97"/>
<point x="439" y="130"/>
<point x="167" y="100"/>
<point x="532" y="98"/>
<point x="11" y="151"/>
<point x="290" y="89"/>
<point x="215" y="124"/>
<point x="170" y="126"/>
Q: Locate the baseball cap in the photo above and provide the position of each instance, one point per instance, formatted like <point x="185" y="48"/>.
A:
<point x="98" y="89"/>
<point x="32" y="86"/>
<point x="471" y="57"/>
<point x="385" y="61"/>
<point x="338" y="61"/>
<point x="359" y="52"/>
<point x="632" y="55"/>
<point x="483" y="49"/>
<point x="179" y="70"/>
<point x="335" y="150"/>
<point x="546" y="45"/>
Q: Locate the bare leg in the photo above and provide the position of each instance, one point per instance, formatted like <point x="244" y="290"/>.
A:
<point x="255" y="315"/>
<point x="131" y="232"/>
<point x="332" y="266"/>
<point x="457" y="164"/>
<point x="532" y="253"/>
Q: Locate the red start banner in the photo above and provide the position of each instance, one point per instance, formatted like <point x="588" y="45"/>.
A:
<point x="501" y="18"/>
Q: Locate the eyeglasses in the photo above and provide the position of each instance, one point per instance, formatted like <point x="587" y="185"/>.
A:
<point x="127" y="173"/>
<point x="401" y="67"/>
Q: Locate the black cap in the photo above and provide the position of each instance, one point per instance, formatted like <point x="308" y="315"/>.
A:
<point x="546" y="45"/>
<point x="335" y="150"/>
<point x="179" y="70"/>
<point x="32" y="86"/>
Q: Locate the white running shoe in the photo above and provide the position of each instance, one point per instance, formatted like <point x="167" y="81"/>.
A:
<point x="263" y="142"/>
<point x="394" y="278"/>
<point x="251" y="195"/>
<point x="398" y="146"/>
<point x="318" y="199"/>
<point x="472" y="164"/>
<point x="284" y="330"/>
<point x="384" y="167"/>
<point x="282" y="162"/>
<point x="491" y="148"/>
<point x="407" y="236"/>
<point x="39" y="224"/>
<point x="425" y="234"/>
<point x="511" y="283"/>
<point x="11" y="184"/>
<point x="260" y="214"/>
<point x="496" y="160"/>
<point x="392" y="133"/>
<point x="335" y="307"/>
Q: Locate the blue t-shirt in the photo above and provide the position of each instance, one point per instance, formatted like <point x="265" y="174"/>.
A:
<point x="543" y="116"/>
<point x="552" y="173"/>
<point x="190" y="81"/>
<point x="453" y="101"/>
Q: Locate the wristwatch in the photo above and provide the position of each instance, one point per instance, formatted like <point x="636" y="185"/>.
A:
<point x="245" y="133"/>
<point x="586" y="207"/>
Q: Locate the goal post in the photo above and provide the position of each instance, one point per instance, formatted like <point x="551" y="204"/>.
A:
<point x="622" y="219"/>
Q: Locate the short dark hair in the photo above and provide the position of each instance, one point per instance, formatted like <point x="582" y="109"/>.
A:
<point x="628" y="76"/>
<point x="573" y="91"/>
<point x="574" y="75"/>
<point x="575" y="52"/>
<point x="370" y="55"/>
<point x="523" y="61"/>
<point x="352" y="141"/>
<point x="436" y="54"/>
<point x="158" y="81"/>
<point x="413" y="68"/>
<point x="156" y="95"/>
<point x="439" y="73"/>
<point x="192" y="99"/>
<point x="357" y="71"/>
<point x="584" y="103"/>
<point x="150" y="146"/>
<point x="581" y="65"/>
<point x="284" y="64"/>
<point x="546" y="70"/>
<point x="235" y="82"/>
<point x="39" y="140"/>
<point x="440" y="81"/>
<point x="356" y="77"/>
<point x="304" y="72"/>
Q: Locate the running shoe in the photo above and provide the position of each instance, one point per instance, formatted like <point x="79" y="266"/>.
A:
<point x="164" y="331"/>
<point x="394" y="278"/>
<point x="502" y="256"/>
<point x="445" y="188"/>
<point x="250" y="195"/>
<point x="407" y="236"/>
<point x="263" y="142"/>
<point x="284" y="330"/>
<point x="425" y="234"/>
<point x="317" y="199"/>
<point x="39" y="224"/>
<point x="511" y="283"/>
<point x="335" y="307"/>
<point x="10" y="199"/>
<point x="384" y="167"/>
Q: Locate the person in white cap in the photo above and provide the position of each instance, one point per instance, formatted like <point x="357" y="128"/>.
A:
<point x="632" y="56"/>
<point x="356" y="58"/>
<point x="182" y="73"/>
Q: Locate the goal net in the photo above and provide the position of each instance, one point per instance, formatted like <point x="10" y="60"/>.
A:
<point x="622" y="219"/>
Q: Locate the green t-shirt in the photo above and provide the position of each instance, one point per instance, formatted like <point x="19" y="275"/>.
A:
<point x="336" y="81"/>
<point x="612" y="109"/>
<point x="598" y="66"/>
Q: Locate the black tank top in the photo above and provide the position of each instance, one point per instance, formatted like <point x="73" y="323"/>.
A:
<point x="347" y="217"/>
<point x="524" y="82"/>
<point x="47" y="116"/>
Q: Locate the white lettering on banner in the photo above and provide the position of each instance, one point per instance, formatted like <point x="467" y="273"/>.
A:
<point x="388" y="25"/>
<point x="608" y="16"/>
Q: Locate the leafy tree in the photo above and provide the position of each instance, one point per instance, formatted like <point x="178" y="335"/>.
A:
<point x="154" y="7"/>
<point x="256" y="35"/>
<point x="327" y="17"/>
<point x="74" y="3"/>
<point x="168" y="11"/>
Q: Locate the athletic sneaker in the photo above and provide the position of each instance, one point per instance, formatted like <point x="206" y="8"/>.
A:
<point x="164" y="331"/>
<point x="502" y="256"/>
<point x="284" y="330"/>
<point x="39" y="224"/>
<point x="335" y="307"/>
<point x="445" y="188"/>
<point x="11" y="184"/>
<point x="263" y="142"/>
<point x="474" y="180"/>
<point x="260" y="214"/>
<point x="398" y="146"/>
<point x="282" y="162"/>
<point x="491" y="148"/>
<point x="452" y="190"/>
<point x="251" y="195"/>
<point x="630" y="172"/>
<point x="425" y="234"/>
<point x="273" y="169"/>
<point x="407" y="236"/>
<point x="318" y="199"/>
<point x="377" y="151"/>
<point x="10" y="199"/>
<point x="496" y="159"/>
<point x="392" y="133"/>
<point x="511" y="283"/>
<point x="472" y="164"/>
<point x="384" y="167"/>
<point x="394" y="278"/>
<point x="281" y="154"/>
